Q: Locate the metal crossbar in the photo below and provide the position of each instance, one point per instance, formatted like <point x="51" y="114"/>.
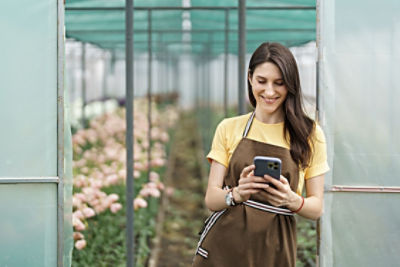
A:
<point x="180" y="8"/>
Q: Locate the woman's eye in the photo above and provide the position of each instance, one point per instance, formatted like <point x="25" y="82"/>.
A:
<point x="262" y="82"/>
<point x="279" y="84"/>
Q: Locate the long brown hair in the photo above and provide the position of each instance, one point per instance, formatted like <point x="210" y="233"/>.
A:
<point x="297" y="125"/>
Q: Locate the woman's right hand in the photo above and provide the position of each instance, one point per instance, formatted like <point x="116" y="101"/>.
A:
<point x="248" y="185"/>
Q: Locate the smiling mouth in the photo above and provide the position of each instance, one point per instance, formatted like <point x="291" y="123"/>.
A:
<point x="270" y="100"/>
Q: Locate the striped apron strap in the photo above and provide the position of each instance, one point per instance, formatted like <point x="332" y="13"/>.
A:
<point x="265" y="207"/>
<point x="208" y="224"/>
<point x="248" y="125"/>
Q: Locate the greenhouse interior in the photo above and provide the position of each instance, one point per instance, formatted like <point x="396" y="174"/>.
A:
<point x="88" y="86"/>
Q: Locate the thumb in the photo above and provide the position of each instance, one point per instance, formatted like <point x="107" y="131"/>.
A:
<point x="247" y="170"/>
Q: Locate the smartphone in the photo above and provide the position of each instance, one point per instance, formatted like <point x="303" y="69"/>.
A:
<point x="267" y="165"/>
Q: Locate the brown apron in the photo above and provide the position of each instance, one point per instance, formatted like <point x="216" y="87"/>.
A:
<point x="253" y="233"/>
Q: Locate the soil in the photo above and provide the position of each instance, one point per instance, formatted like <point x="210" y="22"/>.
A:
<point x="184" y="210"/>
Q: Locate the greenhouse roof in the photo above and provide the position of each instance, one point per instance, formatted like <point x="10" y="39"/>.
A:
<point x="198" y="26"/>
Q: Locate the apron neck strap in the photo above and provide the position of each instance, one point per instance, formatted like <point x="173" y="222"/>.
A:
<point x="248" y="125"/>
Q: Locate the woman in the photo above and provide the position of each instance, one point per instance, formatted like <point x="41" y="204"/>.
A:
<point x="253" y="222"/>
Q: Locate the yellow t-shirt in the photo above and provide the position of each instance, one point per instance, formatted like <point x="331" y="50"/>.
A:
<point x="229" y="133"/>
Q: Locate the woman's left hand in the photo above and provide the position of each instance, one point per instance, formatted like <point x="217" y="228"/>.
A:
<point x="283" y="194"/>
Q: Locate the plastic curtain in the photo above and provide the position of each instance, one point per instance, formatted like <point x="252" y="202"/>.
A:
<point x="359" y="54"/>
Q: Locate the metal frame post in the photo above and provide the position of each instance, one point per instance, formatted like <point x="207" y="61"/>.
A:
<point x="208" y="89"/>
<point x="317" y="83"/>
<point x="197" y="84"/>
<point x="130" y="245"/>
<point x="226" y="62"/>
<point x="104" y="82"/>
<point x="60" y="133"/>
<point x="149" y="77"/>
<point x="242" y="57"/>
<point x="161" y="58"/>
<point x="175" y="75"/>
<point x="83" y="84"/>
<point x="166" y="71"/>
<point x="204" y="83"/>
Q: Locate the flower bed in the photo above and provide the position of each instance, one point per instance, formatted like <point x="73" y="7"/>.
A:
<point x="99" y="184"/>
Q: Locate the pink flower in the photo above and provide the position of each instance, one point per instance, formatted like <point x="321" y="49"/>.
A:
<point x="80" y="244"/>
<point x="136" y="174"/>
<point x="97" y="184"/>
<point x="80" y="180"/>
<point x="88" y="212"/>
<point x="78" y="139"/>
<point x="77" y="236"/>
<point x="76" y="202"/>
<point x="112" y="179"/>
<point x="77" y="149"/>
<point x="158" y="162"/>
<point x="88" y="191"/>
<point x="78" y="214"/>
<point x="151" y="185"/>
<point x="78" y="224"/>
<point x="113" y="197"/>
<point x="115" y="207"/>
<point x="80" y="196"/>
<point x="99" y="208"/>
<point x="138" y="166"/>
<point x="154" y="177"/>
<point x="122" y="173"/>
<point x="85" y="170"/>
<point x="164" y="137"/>
<point x="145" y="144"/>
<point x="139" y="203"/>
<point x="155" y="133"/>
<point x="149" y="191"/>
<point x="154" y="192"/>
<point x="169" y="191"/>
<point x="95" y="202"/>
<point x="160" y="186"/>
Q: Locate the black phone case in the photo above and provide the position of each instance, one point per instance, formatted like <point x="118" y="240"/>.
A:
<point x="270" y="167"/>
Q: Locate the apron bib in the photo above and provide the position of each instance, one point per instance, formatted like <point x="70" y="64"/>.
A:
<point x="253" y="233"/>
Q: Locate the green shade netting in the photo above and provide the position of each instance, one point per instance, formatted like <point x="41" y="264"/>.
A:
<point x="102" y="23"/>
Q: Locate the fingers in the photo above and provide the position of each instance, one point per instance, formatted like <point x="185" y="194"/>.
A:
<point x="254" y="185"/>
<point x="250" y="184"/>
<point x="279" y="184"/>
<point x="279" y="195"/>
<point x="246" y="171"/>
<point x="252" y="179"/>
<point x="284" y="180"/>
<point x="275" y="201"/>
<point x="275" y="193"/>
<point x="248" y="192"/>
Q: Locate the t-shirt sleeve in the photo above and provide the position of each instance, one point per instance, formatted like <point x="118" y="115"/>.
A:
<point x="319" y="162"/>
<point x="219" y="148"/>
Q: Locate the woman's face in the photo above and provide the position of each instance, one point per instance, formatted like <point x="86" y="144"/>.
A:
<point x="269" y="90"/>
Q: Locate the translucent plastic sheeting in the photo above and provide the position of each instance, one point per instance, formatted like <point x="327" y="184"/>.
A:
<point x="28" y="88"/>
<point x="359" y="89"/>
<point x="365" y="230"/>
<point x="28" y="225"/>
<point x="106" y="27"/>
<point x="68" y="184"/>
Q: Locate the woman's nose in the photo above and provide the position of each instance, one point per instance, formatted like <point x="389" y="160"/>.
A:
<point x="269" y="89"/>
